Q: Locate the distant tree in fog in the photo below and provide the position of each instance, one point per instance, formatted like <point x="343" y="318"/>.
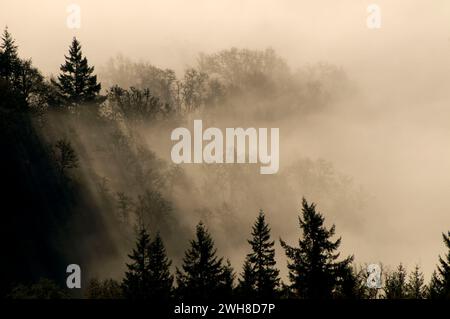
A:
<point x="125" y="73"/>
<point x="244" y="69"/>
<point x="136" y="105"/>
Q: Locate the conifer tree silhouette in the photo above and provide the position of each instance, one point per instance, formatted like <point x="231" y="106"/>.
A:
<point x="395" y="286"/>
<point x="137" y="281"/>
<point x="76" y="83"/>
<point x="202" y="276"/>
<point x="415" y="289"/>
<point x="260" y="277"/>
<point x="160" y="278"/>
<point x="314" y="271"/>
<point x="9" y="59"/>
<point x="440" y="282"/>
<point x="434" y="287"/>
<point x="247" y="282"/>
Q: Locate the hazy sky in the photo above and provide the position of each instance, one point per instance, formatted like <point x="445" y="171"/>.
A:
<point x="171" y="33"/>
<point x="396" y="143"/>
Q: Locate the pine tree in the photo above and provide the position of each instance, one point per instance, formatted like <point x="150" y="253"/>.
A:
<point x="76" y="82"/>
<point x="395" y="286"/>
<point x="442" y="277"/>
<point x="264" y="281"/>
<point x="137" y="281"/>
<point x="434" y="287"/>
<point x="9" y="59"/>
<point x="314" y="271"/>
<point x="247" y="282"/>
<point x="415" y="288"/>
<point x="201" y="276"/>
<point x="444" y="268"/>
<point x="227" y="281"/>
<point x="352" y="285"/>
<point x="160" y="278"/>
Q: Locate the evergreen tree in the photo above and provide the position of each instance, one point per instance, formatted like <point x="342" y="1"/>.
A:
<point x="227" y="281"/>
<point x="160" y="278"/>
<point x="20" y="75"/>
<point x="434" y="287"/>
<point x="314" y="271"/>
<point x="247" y="282"/>
<point x="9" y="59"/>
<point x="76" y="82"/>
<point x="202" y="273"/>
<point x="264" y="281"/>
<point x="352" y="285"/>
<point x="395" y="285"/>
<point x="441" y="284"/>
<point x="444" y="268"/>
<point x="137" y="281"/>
<point x="415" y="288"/>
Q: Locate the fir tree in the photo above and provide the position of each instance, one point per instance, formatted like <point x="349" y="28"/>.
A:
<point x="160" y="278"/>
<point x="434" y="287"/>
<point x="264" y="281"/>
<point x="9" y="60"/>
<point x="76" y="82"/>
<point x="415" y="288"/>
<point x="227" y="281"/>
<point x="442" y="277"/>
<point x="352" y="285"/>
<point x="247" y="282"/>
<point x="137" y="281"/>
<point x="444" y="268"/>
<point x="314" y="271"/>
<point x="395" y="286"/>
<point x="201" y="276"/>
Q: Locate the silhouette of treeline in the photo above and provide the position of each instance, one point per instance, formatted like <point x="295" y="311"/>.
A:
<point x="315" y="271"/>
<point x="49" y="209"/>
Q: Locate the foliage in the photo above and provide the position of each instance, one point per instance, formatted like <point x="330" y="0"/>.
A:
<point x="314" y="270"/>
<point x="260" y="277"/>
<point x="76" y="83"/>
<point x="43" y="289"/>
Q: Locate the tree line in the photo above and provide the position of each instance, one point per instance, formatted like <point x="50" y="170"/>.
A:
<point x="316" y="271"/>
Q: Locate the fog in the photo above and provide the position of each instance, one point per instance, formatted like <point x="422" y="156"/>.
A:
<point x="389" y="137"/>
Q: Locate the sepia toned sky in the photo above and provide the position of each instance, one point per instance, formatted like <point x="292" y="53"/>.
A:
<point x="394" y="142"/>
